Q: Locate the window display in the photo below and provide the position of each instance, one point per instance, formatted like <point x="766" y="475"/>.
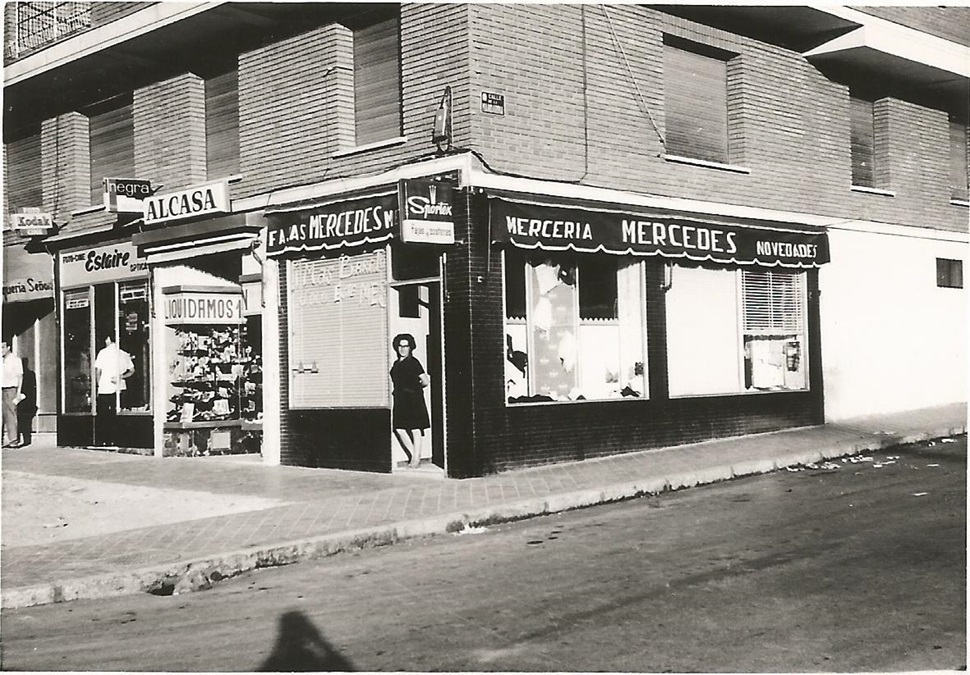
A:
<point x="77" y="351"/>
<point x="574" y="327"/>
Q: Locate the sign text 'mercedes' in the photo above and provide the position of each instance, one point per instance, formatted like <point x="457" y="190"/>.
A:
<point x="333" y="226"/>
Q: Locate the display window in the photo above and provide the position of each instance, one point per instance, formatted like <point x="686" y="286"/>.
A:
<point x="574" y="327"/>
<point x="119" y="310"/>
<point x="732" y="331"/>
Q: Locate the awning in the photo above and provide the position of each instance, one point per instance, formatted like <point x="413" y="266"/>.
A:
<point x="333" y="226"/>
<point x="26" y="276"/>
<point x="530" y="224"/>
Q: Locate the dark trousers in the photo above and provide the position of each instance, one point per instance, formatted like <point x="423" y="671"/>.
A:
<point x="106" y="421"/>
<point x="25" y="420"/>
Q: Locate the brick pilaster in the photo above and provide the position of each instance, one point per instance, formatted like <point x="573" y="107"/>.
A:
<point x="65" y="164"/>
<point x="170" y="139"/>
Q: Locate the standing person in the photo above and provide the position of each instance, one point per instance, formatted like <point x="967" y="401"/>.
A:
<point x="27" y="407"/>
<point x="409" y="415"/>
<point x="13" y="375"/>
<point x="111" y="366"/>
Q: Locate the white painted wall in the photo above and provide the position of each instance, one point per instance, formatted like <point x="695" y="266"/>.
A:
<point x="891" y="339"/>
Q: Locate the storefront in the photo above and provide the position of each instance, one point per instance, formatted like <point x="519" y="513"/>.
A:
<point x="552" y="329"/>
<point x="29" y="323"/>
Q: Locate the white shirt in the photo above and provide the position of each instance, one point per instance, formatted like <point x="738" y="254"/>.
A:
<point x="111" y="363"/>
<point x="13" y="371"/>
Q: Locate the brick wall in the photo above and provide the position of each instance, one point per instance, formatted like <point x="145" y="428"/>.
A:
<point x="949" y="23"/>
<point x="795" y="137"/>
<point x="169" y="119"/>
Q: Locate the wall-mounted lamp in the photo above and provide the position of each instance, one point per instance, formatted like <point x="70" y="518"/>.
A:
<point x="441" y="136"/>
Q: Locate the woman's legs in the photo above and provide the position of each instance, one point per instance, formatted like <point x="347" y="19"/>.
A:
<point x="418" y="437"/>
<point x="406" y="441"/>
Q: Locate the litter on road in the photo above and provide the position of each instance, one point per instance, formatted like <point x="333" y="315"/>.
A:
<point x="920" y="494"/>
<point x="949" y="440"/>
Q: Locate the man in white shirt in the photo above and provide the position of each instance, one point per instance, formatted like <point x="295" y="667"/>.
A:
<point x="111" y="366"/>
<point x="13" y="377"/>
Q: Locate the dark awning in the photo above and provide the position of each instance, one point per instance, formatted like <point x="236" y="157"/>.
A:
<point x="26" y="276"/>
<point x="622" y="230"/>
<point x="334" y="226"/>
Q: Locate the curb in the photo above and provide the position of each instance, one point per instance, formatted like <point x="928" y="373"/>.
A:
<point x="201" y="573"/>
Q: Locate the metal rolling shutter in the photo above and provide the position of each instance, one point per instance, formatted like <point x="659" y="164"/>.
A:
<point x="344" y="341"/>
<point x="222" y="125"/>
<point x="695" y="104"/>
<point x="22" y="169"/>
<point x="377" y="82"/>
<point x="863" y="141"/>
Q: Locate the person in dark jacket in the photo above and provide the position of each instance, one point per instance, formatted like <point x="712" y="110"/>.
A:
<point x="410" y="413"/>
<point x="27" y="407"/>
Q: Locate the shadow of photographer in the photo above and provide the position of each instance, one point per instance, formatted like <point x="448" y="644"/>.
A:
<point x="301" y="648"/>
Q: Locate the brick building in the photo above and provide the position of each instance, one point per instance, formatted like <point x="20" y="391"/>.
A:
<point x="608" y="228"/>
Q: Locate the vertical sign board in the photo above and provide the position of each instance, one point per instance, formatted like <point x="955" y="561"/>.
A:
<point x="426" y="212"/>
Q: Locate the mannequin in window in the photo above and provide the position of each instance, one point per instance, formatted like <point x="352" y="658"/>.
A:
<point x="409" y="416"/>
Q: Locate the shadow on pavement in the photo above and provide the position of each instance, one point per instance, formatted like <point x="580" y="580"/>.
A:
<point x="301" y="648"/>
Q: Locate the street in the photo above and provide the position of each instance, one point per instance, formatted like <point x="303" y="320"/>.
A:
<point x="855" y="565"/>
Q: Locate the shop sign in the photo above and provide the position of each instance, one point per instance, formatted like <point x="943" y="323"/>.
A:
<point x="126" y="195"/>
<point x="194" y="307"/>
<point x="560" y="228"/>
<point x="426" y="212"/>
<point x="26" y="276"/>
<point x="31" y="222"/>
<point x="197" y="201"/>
<point x="98" y="264"/>
<point x="334" y="226"/>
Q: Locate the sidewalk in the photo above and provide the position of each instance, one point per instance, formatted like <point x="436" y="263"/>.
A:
<point x="118" y="524"/>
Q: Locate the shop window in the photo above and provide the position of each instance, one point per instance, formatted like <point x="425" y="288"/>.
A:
<point x="949" y="273"/>
<point x="958" y="160"/>
<point x="77" y="351"/>
<point x="377" y="81"/>
<point x="731" y="331"/>
<point x="574" y="327"/>
<point x="133" y="337"/>
<point x="112" y="142"/>
<point x="222" y="125"/>
<point x="696" y="100"/>
<point x="22" y="166"/>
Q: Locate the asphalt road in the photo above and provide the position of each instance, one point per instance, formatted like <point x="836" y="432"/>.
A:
<point x="853" y="566"/>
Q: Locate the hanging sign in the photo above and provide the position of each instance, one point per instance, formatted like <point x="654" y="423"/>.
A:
<point x="426" y="212"/>
<point x="196" y="201"/>
<point x="561" y="228"/>
<point x="333" y="226"/>
<point x="126" y="195"/>
<point x="31" y="222"/>
<point x="195" y="307"/>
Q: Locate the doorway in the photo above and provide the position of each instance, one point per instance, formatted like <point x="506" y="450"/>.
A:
<point x="416" y="310"/>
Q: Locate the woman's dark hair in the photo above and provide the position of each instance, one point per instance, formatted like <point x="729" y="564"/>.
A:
<point x="403" y="338"/>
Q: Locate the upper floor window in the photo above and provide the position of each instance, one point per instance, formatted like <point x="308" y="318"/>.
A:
<point x="863" y="133"/>
<point x="949" y="273"/>
<point x="112" y="141"/>
<point x="36" y="24"/>
<point x="222" y="125"/>
<point x="696" y="100"/>
<point x="377" y="81"/>
<point x="958" y="159"/>
<point x="22" y="166"/>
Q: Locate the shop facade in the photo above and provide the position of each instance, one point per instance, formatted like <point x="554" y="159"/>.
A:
<point x="553" y="329"/>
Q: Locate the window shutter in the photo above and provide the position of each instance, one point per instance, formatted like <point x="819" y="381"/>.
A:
<point x="222" y="125"/>
<point x="958" y="160"/>
<point x="112" y="138"/>
<point x="377" y="82"/>
<point x="772" y="303"/>
<point x="338" y="328"/>
<point x="695" y="104"/>
<point x="863" y="141"/>
<point x="22" y="180"/>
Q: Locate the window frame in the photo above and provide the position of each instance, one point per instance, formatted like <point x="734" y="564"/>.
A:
<point x="949" y="273"/>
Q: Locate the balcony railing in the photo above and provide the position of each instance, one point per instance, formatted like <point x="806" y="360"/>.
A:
<point x="32" y="25"/>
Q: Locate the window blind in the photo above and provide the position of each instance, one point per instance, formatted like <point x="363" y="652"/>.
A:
<point x="773" y="302"/>
<point x="958" y="159"/>
<point x="695" y="104"/>
<point x="339" y="344"/>
<point x="863" y="141"/>
<point x="112" y="142"/>
<point x="377" y="81"/>
<point x="22" y="171"/>
<point x="222" y="125"/>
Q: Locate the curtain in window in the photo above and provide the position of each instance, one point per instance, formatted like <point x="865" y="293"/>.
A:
<point x="112" y="138"/>
<point x="863" y="141"/>
<point x="222" y="125"/>
<point x="377" y="82"/>
<point x="695" y="105"/>
<point x="958" y="159"/>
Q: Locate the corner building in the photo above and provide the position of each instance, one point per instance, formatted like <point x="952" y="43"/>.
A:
<point x="608" y="228"/>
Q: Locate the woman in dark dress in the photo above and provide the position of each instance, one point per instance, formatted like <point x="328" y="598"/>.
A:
<point x="409" y="417"/>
